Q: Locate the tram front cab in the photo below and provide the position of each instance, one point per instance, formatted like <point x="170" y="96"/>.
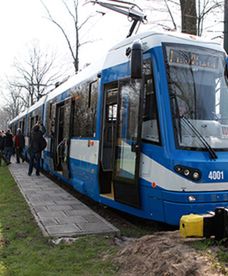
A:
<point x="198" y="94"/>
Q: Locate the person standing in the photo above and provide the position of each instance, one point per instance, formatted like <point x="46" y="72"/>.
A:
<point x="2" y="147"/>
<point x="35" y="148"/>
<point x="8" y="146"/>
<point x="19" y="142"/>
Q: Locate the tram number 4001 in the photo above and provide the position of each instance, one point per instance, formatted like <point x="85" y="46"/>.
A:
<point x="216" y="175"/>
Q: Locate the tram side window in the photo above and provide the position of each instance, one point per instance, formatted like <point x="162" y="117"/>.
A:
<point x="150" y="129"/>
<point x="79" y="116"/>
<point x="14" y="128"/>
<point x="20" y="124"/>
<point x="32" y="123"/>
<point x="49" y="119"/>
<point x="92" y="108"/>
<point x="23" y="126"/>
<point x="85" y="108"/>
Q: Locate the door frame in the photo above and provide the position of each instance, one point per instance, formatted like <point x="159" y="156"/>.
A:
<point x="65" y="165"/>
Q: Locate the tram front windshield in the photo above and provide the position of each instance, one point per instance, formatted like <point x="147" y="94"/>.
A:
<point x="198" y="95"/>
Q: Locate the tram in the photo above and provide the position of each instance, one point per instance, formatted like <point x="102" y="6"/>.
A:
<point x="145" y="130"/>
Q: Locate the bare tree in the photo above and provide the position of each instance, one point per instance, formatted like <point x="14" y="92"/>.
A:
<point x="171" y="15"/>
<point x="188" y="16"/>
<point x="74" y="45"/>
<point x="168" y="11"/>
<point x="194" y="14"/>
<point x="4" y="119"/>
<point x="15" y="102"/>
<point x="205" y="8"/>
<point x="35" y="74"/>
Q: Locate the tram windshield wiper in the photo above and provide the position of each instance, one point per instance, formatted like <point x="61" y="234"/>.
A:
<point x="201" y="138"/>
<point x="177" y="114"/>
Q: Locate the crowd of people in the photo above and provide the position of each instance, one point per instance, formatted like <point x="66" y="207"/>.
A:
<point x="10" y="145"/>
<point x="15" y="144"/>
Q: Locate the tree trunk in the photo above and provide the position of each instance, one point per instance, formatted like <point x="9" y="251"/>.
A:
<point x="188" y="16"/>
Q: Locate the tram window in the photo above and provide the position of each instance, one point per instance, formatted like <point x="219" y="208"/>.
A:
<point x="49" y="119"/>
<point x="150" y="131"/>
<point x="32" y="123"/>
<point x="66" y="118"/>
<point x="85" y="110"/>
<point x="80" y="115"/>
<point x="23" y="126"/>
<point x="92" y="108"/>
<point x="14" y="128"/>
<point x="112" y="112"/>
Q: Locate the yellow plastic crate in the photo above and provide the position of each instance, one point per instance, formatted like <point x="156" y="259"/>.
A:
<point x="191" y="226"/>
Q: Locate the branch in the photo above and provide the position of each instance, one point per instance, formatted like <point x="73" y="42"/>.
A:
<point x="50" y="18"/>
<point x="85" y="21"/>
<point x="170" y="13"/>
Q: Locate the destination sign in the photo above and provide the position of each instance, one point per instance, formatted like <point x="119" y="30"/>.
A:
<point x="179" y="56"/>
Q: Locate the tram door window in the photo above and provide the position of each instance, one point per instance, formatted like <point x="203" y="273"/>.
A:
<point x="127" y="142"/>
<point x="32" y="123"/>
<point x="109" y="129"/>
<point x="109" y="134"/>
<point x="51" y="131"/>
<point x="63" y="137"/>
<point x="60" y="120"/>
<point x="23" y="126"/>
<point x="150" y="128"/>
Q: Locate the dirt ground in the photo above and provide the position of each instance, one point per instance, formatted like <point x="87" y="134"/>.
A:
<point x="164" y="253"/>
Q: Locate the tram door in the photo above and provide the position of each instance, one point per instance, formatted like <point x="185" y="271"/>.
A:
<point x="108" y="146"/>
<point x="120" y="150"/>
<point x="62" y="143"/>
<point x="127" y="143"/>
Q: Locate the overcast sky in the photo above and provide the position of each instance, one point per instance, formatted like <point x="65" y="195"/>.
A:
<point x="23" y="21"/>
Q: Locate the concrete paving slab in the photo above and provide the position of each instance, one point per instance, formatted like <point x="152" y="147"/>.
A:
<point x="57" y="212"/>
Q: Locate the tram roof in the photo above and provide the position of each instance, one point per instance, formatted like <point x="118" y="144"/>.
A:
<point x="117" y="55"/>
<point x="151" y="39"/>
<point x="157" y="38"/>
<point x="82" y="76"/>
<point x="29" y="109"/>
<point x="85" y="74"/>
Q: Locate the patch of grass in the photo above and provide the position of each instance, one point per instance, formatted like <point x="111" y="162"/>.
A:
<point x="24" y="251"/>
<point x="202" y="245"/>
<point x="217" y="250"/>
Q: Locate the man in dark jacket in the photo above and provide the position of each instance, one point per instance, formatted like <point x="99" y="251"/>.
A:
<point x="35" y="148"/>
<point x="2" y="147"/>
<point x="19" y="142"/>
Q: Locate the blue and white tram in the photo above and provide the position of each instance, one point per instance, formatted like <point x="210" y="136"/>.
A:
<point x="146" y="130"/>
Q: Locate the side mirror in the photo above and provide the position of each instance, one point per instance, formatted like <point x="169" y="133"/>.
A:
<point x="136" y="60"/>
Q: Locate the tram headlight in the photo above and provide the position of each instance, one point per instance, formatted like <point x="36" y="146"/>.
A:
<point x="196" y="175"/>
<point x="191" y="198"/>
<point x="186" y="172"/>
<point x="190" y="173"/>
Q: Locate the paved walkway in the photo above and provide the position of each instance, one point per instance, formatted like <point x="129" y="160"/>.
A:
<point x="57" y="212"/>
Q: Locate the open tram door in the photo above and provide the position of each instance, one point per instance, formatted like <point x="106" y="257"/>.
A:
<point x="127" y="143"/>
<point x="61" y="139"/>
<point x="120" y="150"/>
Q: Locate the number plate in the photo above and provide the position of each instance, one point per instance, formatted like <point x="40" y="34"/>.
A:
<point x="216" y="175"/>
